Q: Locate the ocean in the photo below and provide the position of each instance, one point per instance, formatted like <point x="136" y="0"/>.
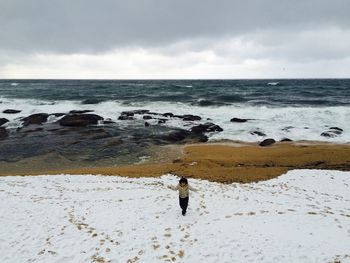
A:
<point x="299" y="109"/>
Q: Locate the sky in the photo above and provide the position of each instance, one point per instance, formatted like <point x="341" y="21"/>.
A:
<point x="168" y="39"/>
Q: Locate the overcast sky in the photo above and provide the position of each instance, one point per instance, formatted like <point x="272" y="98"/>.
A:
<point x="174" y="38"/>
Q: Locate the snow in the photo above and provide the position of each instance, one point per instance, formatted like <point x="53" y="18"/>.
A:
<point x="302" y="216"/>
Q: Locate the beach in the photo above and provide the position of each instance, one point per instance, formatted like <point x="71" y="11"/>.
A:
<point x="224" y="162"/>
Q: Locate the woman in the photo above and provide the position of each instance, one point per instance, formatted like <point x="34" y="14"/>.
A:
<point x="183" y="187"/>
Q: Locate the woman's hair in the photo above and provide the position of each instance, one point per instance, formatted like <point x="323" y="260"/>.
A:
<point x="183" y="180"/>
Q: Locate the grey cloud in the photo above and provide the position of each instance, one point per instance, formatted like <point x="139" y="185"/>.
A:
<point x="82" y="26"/>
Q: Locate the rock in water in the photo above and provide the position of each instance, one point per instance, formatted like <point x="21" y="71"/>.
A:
<point x="126" y="118"/>
<point x="189" y="117"/>
<point x="239" y="120"/>
<point x="332" y="132"/>
<point x="206" y="127"/>
<point x="3" y="121"/>
<point x="267" y="142"/>
<point x="79" y="111"/>
<point x="286" y="140"/>
<point x="80" y="120"/>
<point x="38" y="119"/>
<point x="259" y="133"/>
<point x="11" y="111"/>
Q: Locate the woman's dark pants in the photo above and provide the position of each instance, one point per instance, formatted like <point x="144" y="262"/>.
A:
<point x="183" y="204"/>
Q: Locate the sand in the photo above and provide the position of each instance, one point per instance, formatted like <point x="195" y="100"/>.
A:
<point x="228" y="162"/>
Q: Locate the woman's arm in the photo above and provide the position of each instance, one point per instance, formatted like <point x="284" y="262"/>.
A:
<point x="173" y="187"/>
<point x="192" y="189"/>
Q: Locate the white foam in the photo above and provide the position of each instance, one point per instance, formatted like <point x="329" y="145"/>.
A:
<point x="307" y="122"/>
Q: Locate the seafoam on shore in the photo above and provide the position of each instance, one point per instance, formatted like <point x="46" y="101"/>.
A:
<point x="302" y="216"/>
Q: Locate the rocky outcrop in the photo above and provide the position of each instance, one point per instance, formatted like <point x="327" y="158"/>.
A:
<point x="332" y="132"/>
<point x="206" y="127"/>
<point x="80" y="120"/>
<point x="147" y="117"/>
<point x="11" y="111"/>
<point x="3" y="121"/>
<point x="267" y="142"/>
<point x="286" y="140"/>
<point x="37" y="119"/>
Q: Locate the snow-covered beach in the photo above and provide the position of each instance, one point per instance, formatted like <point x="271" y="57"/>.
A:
<point x="301" y="216"/>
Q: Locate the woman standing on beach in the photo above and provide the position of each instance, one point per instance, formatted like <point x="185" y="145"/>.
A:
<point x="183" y="187"/>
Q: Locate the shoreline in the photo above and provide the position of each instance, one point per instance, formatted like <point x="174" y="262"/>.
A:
<point x="221" y="161"/>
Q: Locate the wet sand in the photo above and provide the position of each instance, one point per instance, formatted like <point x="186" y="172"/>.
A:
<point x="225" y="162"/>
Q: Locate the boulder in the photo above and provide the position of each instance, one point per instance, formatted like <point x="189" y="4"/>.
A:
<point x="11" y="111"/>
<point x="181" y="135"/>
<point x="38" y="119"/>
<point x="3" y="121"/>
<point x="332" y="132"/>
<point x="239" y="120"/>
<point x="79" y="120"/>
<point x="147" y="124"/>
<point x="206" y="127"/>
<point x="133" y="112"/>
<point x="3" y="133"/>
<point x="79" y="111"/>
<point x="267" y="142"/>
<point x="126" y="118"/>
<point x="147" y="117"/>
<point x="259" y="133"/>
<point x="189" y="117"/>
<point x="286" y="140"/>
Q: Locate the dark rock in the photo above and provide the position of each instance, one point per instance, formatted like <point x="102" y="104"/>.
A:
<point x="3" y="121"/>
<point x="336" y="128"/>
<point x="126" y="118"/>
<point x="162" y="121"/>
<point x="80" y="120"/>
<point x="37" y="119"/>
<point x="147" y="124"/>
<point x="133" y="112"/>
<point x="147" y="117"/>
<point x="11" y="111"/>
<point x="286" y="140"/>
<point x="267" y="142"/>
<point x="154" y="113"/>
<point x="206" y="127"/>
<point x="259" y="133"/>
<point x="181" y="135"/>
<point x="108" y="121"/>
<point x="239" y="120"/>
<point x="127" y="113"/>
<point x="332" y="132"/>
<point x="189" y="117"/>
<point x="3" y="133"/>
<point x="168" y="114"/>
<point x="59" y="114"/>
<point x="79" y="111"/>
